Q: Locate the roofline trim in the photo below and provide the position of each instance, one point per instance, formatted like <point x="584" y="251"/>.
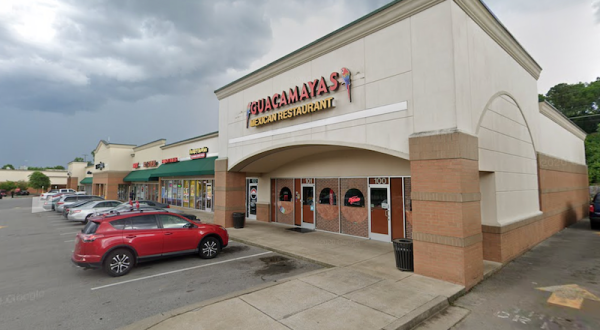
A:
<point x="490" y="24"/>
<point x="548" y="110"/>
<point x="374" y="21"/>
<point x="194" y="139"/>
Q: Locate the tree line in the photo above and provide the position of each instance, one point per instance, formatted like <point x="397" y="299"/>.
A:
<point x="580" y="102"/>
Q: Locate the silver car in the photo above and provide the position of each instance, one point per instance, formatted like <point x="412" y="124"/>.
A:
<point x="84" y="212"/>
<point x="67" y="200"/>
<point x="124" y="207"/>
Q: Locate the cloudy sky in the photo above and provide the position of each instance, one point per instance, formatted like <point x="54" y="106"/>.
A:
<point x="74" y="72"/>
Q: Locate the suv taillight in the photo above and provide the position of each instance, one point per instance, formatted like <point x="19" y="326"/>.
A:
<point x="591" y="208"/>
<point x="60" y="203"/>
<point x="168" y="206"/>
<point x="90" y="238"/>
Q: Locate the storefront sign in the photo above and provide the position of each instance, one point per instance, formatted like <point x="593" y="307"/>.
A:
<point x="198" y="153"/>
<point x="151" y="163"/>
<point x="136" y="165"/>
<point x="293" y="112"/>
<point x="170" y="160"/>
<point x="309" y="90"/>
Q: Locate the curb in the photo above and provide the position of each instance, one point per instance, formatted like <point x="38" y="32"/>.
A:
<point x="419" y="315"/>
<point x="154" y="320"/>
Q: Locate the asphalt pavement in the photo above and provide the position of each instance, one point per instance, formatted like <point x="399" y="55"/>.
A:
<point x="555" y="285"/>
<point x="42" y="289"/>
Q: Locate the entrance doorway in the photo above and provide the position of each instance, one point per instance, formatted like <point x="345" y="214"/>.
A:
<point x="379" y="209"/>
<point x="308" y="205"/>
<point x="251" y="198"/>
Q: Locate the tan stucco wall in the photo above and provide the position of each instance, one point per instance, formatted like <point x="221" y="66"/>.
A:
<point x="56" y="177"/>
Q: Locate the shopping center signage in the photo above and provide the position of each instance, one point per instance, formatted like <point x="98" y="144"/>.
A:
<point x="151" y="163"/>
<point x="197" y="153"/>
<point x="309" y="90"/>
<point x="170" y="160"/>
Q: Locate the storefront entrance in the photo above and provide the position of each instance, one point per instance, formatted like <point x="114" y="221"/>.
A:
<point x="308" y="204"/>
<point x="379" y="210"/>
<point x="251" y="198"/>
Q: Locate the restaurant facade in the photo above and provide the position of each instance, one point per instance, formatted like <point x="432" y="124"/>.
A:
<point x="419" y="120"/>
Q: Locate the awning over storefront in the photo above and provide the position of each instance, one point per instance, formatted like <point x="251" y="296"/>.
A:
<point x="87" y="181"/>
<point x="205" y="166"/>
<point x="141" y="176"/>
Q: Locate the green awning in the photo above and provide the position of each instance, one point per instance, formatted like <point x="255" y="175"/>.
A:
<point x="204" y="166"/>
<point x="87" y="180"/>
<point x="141" y="176"/>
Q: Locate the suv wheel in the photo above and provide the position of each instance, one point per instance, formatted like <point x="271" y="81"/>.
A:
<point x="209" y="247"/>
<point x="118" y="262"/>
<point x="87" y="219"/>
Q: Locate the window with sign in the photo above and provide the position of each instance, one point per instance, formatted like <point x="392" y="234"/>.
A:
<point x="354" y="198"/>
<point x="285" y="195"/>
<point x="328" y="197"/>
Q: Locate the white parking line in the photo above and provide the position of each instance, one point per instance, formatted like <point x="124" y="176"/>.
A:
<point x="180" y="270"/>
<point x="75" y="232"/>
<point x="69" y="241"/>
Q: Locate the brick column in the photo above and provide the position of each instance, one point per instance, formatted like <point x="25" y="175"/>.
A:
<point x="446" y="210"/>
<point x="230" y="193"/>
<point x="263" y="212"/>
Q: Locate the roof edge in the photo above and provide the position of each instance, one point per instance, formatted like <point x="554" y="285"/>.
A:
<point x="150" y="144"/>
<point x="491" y="25"/>
<point x="193" y="139"/>
<point x="397" y="10"/>
<point x="548" y="110"/>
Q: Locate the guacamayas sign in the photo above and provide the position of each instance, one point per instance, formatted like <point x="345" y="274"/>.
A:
<point x="308" y="90"/>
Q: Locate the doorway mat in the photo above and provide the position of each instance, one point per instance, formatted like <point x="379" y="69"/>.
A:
<point x="301" y="230"/>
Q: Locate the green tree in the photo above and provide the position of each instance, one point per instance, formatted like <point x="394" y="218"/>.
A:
<point x="39" y="180"/>
<point x="8" y="185"/>
<point x="58" y="167"/>
<point x="78" y="159"/>
<point x="8" y="167"/>
<point x="579" y="101"/>
<point x="23" y="185"/>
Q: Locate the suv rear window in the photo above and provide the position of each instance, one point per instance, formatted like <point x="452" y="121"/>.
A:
<point x="90" y="228"/>
<point x="70" y="199"/>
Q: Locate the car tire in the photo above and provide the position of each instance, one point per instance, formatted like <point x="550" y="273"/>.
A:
<point x="209" y="247"/>
<point x="87" y="219"/>
<point x="119" y="262"/>
<point x="594" y="225"/>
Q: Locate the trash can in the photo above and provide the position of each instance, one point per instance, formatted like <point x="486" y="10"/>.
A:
<point x="403" y="249"/>
<point x="238" y="220"/>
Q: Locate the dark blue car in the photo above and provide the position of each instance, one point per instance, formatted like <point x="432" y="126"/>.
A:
<point x="595" y="212"/>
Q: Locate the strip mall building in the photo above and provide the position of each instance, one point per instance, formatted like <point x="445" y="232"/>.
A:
<point x="418" y="120"/>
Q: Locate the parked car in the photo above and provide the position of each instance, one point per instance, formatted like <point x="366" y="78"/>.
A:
<point x="57" y="191"/>
<point x="82" y="213"/>
<point x="116" y="243"/>
<point x="126" y="207"/>
<point x="50" y="203"/>
<point x="2" y="192"/>
<point x="153" y="203"/>
<point x="595" y="212"/>
<point x="22" y="193"/>
<point x="74" y="205"/>
<point x="67" y="200"/>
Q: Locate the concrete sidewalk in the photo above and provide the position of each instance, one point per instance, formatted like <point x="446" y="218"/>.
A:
<point x="360" y="288"/>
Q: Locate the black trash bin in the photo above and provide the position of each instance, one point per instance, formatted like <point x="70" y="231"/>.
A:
<point x="403" y="249"/>
<point x="238" y="220"/>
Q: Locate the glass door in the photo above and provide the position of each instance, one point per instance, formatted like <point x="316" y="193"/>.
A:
<point x="379" y="212"/>
<point x="209" y="196"/>
<point x="308" y="206"/>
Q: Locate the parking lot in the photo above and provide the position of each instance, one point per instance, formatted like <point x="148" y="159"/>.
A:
<point x="42" y="289"/>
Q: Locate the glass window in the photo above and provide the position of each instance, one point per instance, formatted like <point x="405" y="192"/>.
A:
<point x="171" y="221"/>
<point x="354" y="198"/>
<point x="327" y="196"/>
<point x="101" y="204"/>
<point x="143" y="222"/>
<point x="120" y="224"/>
<point x="285" y="195"/>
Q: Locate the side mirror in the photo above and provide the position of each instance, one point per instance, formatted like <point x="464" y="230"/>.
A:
<point x="189" y="225"/>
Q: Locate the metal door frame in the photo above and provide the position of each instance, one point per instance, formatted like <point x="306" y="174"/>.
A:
<point x="376" y="236"/>
<point x="249" y="186"/>
<point x="302" y="223"/>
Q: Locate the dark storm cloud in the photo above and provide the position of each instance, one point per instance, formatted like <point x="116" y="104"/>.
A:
<point x="129" y="50"/>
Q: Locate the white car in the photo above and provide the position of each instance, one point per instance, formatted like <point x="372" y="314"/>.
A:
<point x="83" y="212"/>
<point x="56" y="191"/>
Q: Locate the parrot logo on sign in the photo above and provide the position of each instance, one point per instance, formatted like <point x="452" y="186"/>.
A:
<point x="346" y="78"/>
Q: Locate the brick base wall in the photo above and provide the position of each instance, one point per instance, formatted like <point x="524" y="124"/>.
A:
<point x="564" y="199"/>
<point x="263" y="212"/>
<point x="230" y="193"/>
<point x="354" y="220"/>
<point x="328" y="216"/>
<point x="285" y="209"/>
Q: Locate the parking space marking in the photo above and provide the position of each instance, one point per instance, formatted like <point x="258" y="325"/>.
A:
<point x="75" y="232"/>
<point x="69" y="241"/>
<point x="179" y="270"/>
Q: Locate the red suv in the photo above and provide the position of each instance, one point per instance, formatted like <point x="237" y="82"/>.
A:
<point x="117" y="242"/>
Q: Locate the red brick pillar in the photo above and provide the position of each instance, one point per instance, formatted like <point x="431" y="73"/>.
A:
<point x="230" y="193"/>
<point x="446" y="210"/>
